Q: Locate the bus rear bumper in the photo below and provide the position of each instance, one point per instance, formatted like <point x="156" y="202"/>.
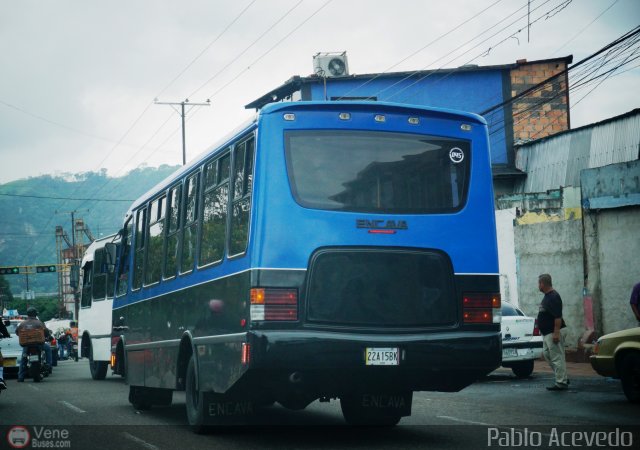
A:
<point x="333" y="364"/>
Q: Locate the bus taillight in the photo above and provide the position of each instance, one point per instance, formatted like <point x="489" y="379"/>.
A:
<point x="274" y="304"/>
<point x="481" y="308"/>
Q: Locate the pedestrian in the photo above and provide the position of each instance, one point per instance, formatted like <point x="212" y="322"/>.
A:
<point x="635" y="302"/>
<point x="554" y="331"/>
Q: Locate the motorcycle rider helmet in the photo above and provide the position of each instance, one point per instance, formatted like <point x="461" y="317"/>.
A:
<point x="32" y="312"/>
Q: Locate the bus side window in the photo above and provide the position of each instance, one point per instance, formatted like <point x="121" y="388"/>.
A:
<point x="85" y="301"/>
<point x="156" y="237"/>
<point x="99" y="288"/>
<point x="138" y="254"/>
<point x="190" y="230"/>
<point x="214" y="214"/>
<point x="242" y="186"/>
<point x="172" y="226"/>
<point x="123" y="271"/>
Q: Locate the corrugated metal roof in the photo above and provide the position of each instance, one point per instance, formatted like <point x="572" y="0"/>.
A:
<point x="556" y="161"/>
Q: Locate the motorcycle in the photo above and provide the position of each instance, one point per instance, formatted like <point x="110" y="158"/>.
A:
<point x="36" y="363"/>
<point x="73" y="353"/>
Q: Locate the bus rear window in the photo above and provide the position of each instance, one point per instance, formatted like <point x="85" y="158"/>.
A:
<point x="377" y="171"/>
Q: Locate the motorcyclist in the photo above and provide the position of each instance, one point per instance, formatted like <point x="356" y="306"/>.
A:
<point x="4" y="333"/>
<point x="32" y="322"/>
<point x="73" y="338"/>
<point x="63" y="339"/>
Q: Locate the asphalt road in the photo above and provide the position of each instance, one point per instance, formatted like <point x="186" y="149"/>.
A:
<point x="70" y="410"/>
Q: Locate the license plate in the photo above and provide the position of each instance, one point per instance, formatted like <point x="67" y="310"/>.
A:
<point x="509" y="352"/>
<point x="382" y="356"/>
<point x="9" y="362"/>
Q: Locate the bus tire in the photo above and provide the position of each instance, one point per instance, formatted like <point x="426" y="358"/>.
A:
<point x="98" y="368"/>
<point x="522" y="369"/>
<point x="194" y="400"/>
<point x="356" y="415"/>
<point x="139" y="397"/>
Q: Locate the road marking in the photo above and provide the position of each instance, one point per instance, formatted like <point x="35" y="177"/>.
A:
<point x="72" y="407"/>
<point x="137" y="440"/>
<point x="36" y="388"/>
<point x="455" y="419"/>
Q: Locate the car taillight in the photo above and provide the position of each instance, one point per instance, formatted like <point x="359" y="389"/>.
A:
<point x="481" y="308"/>
<point x="274" y="304"/>
<point x="536" y="330"/>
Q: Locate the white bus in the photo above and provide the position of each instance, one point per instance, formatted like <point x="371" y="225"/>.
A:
<point x="96" y="302"/>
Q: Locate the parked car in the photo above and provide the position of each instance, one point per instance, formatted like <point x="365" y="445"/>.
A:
<point x="11" y="349"/>
<point x="521" y="340"/>
<point x="617" y="355"/>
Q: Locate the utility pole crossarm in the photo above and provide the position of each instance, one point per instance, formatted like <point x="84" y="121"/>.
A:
<point x="182" y="114"/>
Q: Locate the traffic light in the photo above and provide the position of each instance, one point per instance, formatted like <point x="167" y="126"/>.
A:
<point x="9" y="270"/>
<point x="46" y="269"/>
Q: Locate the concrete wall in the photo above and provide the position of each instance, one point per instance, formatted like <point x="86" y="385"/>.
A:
<point x="506" y="255"/>
<point x="553" y="247"/>
<point x="618" y="252"/>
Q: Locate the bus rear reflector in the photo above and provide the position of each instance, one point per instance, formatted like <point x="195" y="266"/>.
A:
<point x="274" y="304"/>
<point x="246" y="353"/>
<point x="481" y="308"/>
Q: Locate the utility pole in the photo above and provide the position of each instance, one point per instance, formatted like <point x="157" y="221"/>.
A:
<point x="182" y="114"/>
<point x="74" y="261"/>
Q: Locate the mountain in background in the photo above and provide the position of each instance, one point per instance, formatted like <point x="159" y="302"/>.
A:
<point x="30" y="210"/>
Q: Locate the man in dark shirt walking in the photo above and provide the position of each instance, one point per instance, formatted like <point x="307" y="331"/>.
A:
<point x="553" y="330"/>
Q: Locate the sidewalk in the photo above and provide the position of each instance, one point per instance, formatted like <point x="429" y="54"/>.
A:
<point x="574" y="369"/>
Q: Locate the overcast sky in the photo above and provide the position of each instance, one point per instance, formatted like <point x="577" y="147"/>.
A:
<point x="78" y="78"/>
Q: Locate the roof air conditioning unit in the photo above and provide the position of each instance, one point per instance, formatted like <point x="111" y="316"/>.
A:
<point x="330" y="65"/>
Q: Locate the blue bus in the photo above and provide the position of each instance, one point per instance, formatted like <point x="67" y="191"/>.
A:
<point x="326" y="250"/>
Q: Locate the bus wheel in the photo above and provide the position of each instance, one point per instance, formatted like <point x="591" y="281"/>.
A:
<point x="356" y="413"/>
<point x="194" y="400"/>
<point x="98" y="368"/>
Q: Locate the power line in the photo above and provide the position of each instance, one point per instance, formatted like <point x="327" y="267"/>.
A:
<point x="585" y="27"/>
<point x="239" y="55"/>
<point x="45" y="197"/>
<point x="619" y="53"/>
<point x="271" y="49"/>
<point x="526" y="92"/>
<point x="485" y="52"/>
<point x="419" y="50"/>
<point x="199" y="55"/>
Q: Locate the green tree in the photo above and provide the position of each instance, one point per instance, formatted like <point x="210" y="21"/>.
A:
<point x="47" y="307"/>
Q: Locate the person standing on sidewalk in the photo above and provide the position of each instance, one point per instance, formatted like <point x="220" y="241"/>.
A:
<point x="635" y="302"/>
<point x="553" y="330"/>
